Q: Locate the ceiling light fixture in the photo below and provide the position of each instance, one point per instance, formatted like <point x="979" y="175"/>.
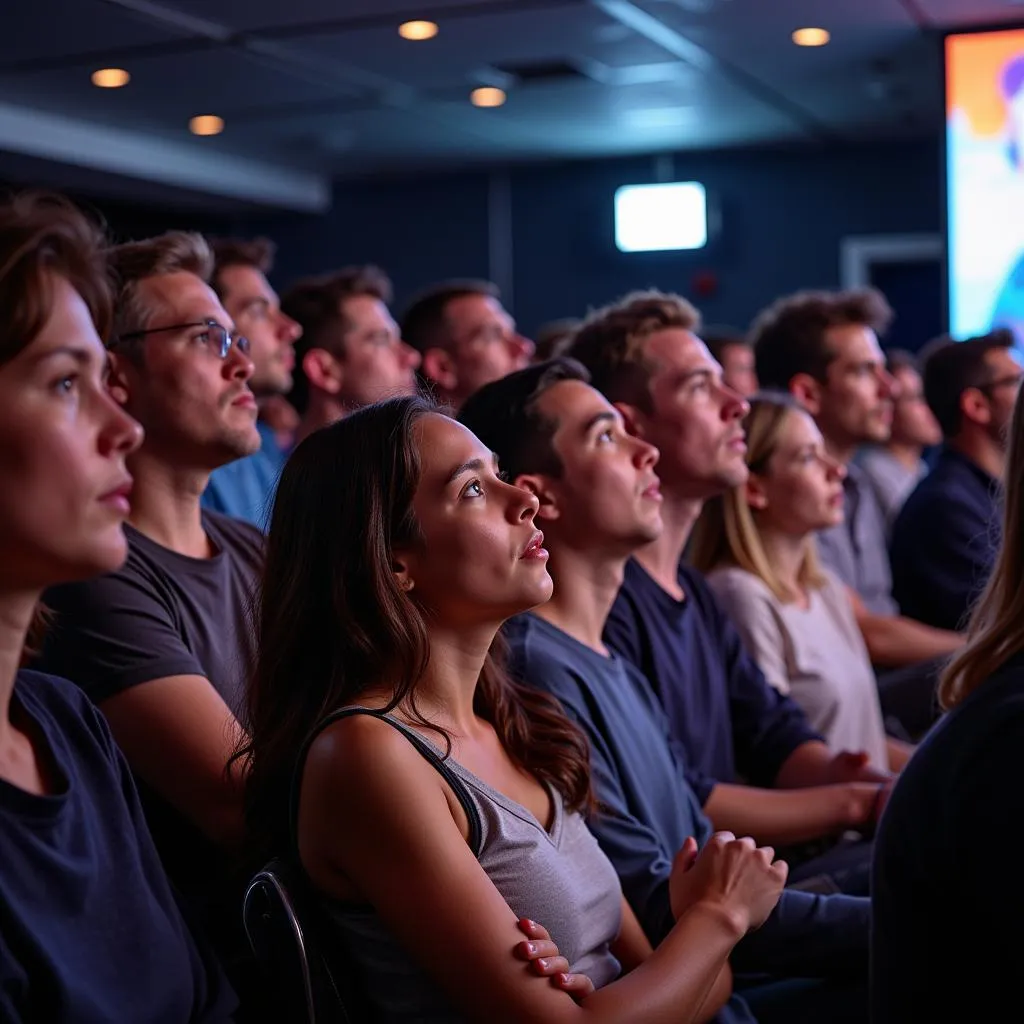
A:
<point x="417" y="30"/>
<point x="811" y="36"/>
<point x="206" y="124"/>
<point x="487" y="96"/>
<point x="110" y="78"/>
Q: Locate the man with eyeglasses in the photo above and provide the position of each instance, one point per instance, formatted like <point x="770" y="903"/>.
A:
<point x="945" y="539"/>
<point x="245" y="488"/>
<point x="162" y="646"/>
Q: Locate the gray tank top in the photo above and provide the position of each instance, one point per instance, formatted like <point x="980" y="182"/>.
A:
<point x="559" y="878"/>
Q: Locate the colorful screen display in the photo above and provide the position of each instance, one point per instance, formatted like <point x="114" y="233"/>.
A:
<point x="985" y="181"/>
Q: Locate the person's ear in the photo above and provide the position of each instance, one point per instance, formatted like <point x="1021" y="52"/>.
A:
<point x="634" y="419"/>
<point x="975" y="406"/>
<point x="540" y="487"/>
<point x="438" y="366"/>
<point x="754" y="492"/>
<point x="118" y="377"/>
<point x="808" y="392"/>
<point x="403" y="576"/>
<point x="323" y="370"/>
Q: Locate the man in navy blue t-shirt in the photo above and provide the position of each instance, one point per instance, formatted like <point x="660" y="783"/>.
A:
<point x="645" y="356"/>
<point x="945" y="539"/>
<point x="599" y="500"/>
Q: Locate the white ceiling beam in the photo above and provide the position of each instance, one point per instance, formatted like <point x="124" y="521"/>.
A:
<point x="155" y="159"/>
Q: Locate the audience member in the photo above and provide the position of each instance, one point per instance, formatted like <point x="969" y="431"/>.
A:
<point x="466" y="338"/>
<point x="946" y="848"/>
<point x="395" y="553"/>
<point x="89" y="927"/>
<point x="732" y="351"/>
<point x="823" y="348"/>
<point x="945" y="540"/>
<point x="644" y="356"/>
<point x="599" y="500"/>
<point x="894" y="468"/>
<point x="163" y="644"/>
<point x="756" y="543"/>
<point x="351" y="353"/>
<point x="244" y="488"/>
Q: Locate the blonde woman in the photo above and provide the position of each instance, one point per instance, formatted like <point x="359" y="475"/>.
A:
<point x="756" y="546"/>
<point x="948" y="900"/>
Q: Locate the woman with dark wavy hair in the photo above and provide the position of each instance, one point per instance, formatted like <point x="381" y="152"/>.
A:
<point x="423" y="792"/>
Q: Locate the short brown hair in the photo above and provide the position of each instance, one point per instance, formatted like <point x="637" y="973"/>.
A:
<point x="317" y="305"/>
<point x="789" y="336"/>
<point x="240" y="252"/>
<point x="610" y="343"/>
<point x="423" y="322"/>
<point x="951" y="367"/>
<point x="42" y="236"/>
<point x="133" y="262"/>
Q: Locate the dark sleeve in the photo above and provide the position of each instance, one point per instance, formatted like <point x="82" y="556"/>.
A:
<point x="114" y="633"/>
<point x="767" y="726"/>
<point x="942" y="553"/>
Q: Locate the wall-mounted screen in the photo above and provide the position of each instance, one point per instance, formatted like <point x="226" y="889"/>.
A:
<point x="667" y="215"/>
<point x="985" y="181"/>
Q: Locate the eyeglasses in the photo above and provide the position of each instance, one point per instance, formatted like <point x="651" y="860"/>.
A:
<point x="1002" y="382"/>
<point x="217" y="338"/>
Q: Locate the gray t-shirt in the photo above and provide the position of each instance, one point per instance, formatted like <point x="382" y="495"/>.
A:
<point x="890" y="479"/>
<point x="857" y="549"/>
<point x="556" y="875"/>
<point x="165" y="614"/>
<point x="816" y="655"/>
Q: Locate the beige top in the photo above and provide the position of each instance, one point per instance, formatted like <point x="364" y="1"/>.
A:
<point x="816" y="655"/>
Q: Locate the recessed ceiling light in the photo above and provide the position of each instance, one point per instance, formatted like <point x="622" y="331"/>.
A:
<point x="417" y="30"/>
<point x="110" y="78"/>
<point x="206" y="124"/>
<point x="487" y="96"/>
<point x="811" y="36"/>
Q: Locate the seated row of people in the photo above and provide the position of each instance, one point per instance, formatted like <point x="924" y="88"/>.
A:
<point x="387" y="593"/>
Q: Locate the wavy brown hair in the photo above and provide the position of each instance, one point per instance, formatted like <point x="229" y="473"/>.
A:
<point x="996" y="630"/>
<point x="332" y="620"/>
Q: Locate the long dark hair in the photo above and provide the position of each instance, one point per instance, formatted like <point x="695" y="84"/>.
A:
<point x="333" y="621"/>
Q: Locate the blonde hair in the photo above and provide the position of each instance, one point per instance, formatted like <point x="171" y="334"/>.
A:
<point x="996" y="630"/>
<point x="132" y="263"/>
<point x="610" y="342"/>
<point x="727" y="532"/>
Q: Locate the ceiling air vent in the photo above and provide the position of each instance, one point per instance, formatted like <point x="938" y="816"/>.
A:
<point x="530" y="72"/>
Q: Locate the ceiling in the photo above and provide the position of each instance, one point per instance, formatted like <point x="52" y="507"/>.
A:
<point x="315" y="90"/>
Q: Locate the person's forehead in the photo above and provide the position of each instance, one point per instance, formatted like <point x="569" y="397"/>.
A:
<point x="445" y="443"/>
<point x="737" y="352"/>
<point x="571" y="405"/>
<point x="186" y="298"/>
<point x="244" y="283"/>
<point x="854" y="343"/>
<point x="909" y="379"/>
<point x="799" y="428"/>
<point x="362" y="308"/>
<point x="679" y="350"/>
<point x="476" y="309"/>
<point x="1003" y="360"/>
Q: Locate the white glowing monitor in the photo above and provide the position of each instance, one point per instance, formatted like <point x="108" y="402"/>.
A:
<point x="669" y="215"/>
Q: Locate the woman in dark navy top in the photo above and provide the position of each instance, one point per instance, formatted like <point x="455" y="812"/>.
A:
<point x="948" y="897"/>
<point x="89" y="929"/>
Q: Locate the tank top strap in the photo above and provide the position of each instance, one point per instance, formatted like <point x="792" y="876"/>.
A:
<point x="425" y="749"/>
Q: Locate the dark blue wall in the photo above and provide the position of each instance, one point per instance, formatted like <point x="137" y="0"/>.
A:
<point x="783" y="214"/>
